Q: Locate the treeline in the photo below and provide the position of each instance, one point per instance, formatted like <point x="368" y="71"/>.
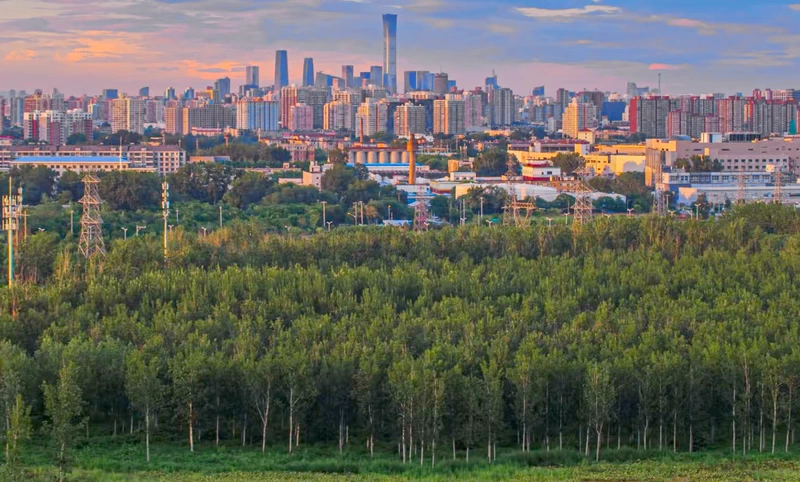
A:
<point x="646" y="333"/>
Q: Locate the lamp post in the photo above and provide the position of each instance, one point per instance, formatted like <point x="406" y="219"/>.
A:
<point x="630" y="213"/>
<point x="566" y="218"/>
<point x="139" y="228"/>
<point x="125" y="233"/>
<point x="205" y="230"/>
<point x="329" y="225"/>
<point x="550" y="223"/>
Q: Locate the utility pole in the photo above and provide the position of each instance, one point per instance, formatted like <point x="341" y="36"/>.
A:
<point x="71" y="220"/>
<point x="165" y="210"/>
<point x="11" y="205"/>
<point x="220" y="215"/>
<point x="481" y="223"/>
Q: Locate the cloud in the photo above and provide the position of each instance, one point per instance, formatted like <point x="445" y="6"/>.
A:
<point x="568" y="13"/>
<point x="20" y="55"/>
<point x="659" y="66"/>
<point x="795" y="7"/>
<point x="501" y="28"/>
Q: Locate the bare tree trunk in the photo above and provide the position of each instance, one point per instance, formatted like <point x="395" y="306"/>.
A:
<point x="733" y="422"/>
<point x="789" y="420"/>
<point x="433" y="453"/>
<point x="774" y="418"/>
<point x="264" y="426"/>
<point x="147" y="432"/>
<point x="244" y="430"/>
<point x="675" y="430"/>
<point x="217" y="434"/>
<point x="586" y="452"/>
<point x="467" y="454"/>
<point x="454" y="449"/>
<point x="291" y="418"/>
<point x="599" y="431"/>
<point x="691" y="437"/>
<point x="297" y="436"/>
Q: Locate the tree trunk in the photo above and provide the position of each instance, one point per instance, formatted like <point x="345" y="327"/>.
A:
<point x="454" y="449"/>
<point x="433" y="453"/>
<point x="586" y="452"/>
<point x="291" y="418"/>
<point x="244" y="430"/>
<point x="147" y="432"/>
<point x="675" y="430"/>
<point x="217" y="431"/>
<point x="691" y="438"/>
<point x="264" y="426"/>
<point x="467" y="458"/>
<point x="297" y="436"/>
<point x="599" y="431"/>
<point x="191" y="428"/>
<point x="733" y="421"/>
<point x="774" y="418"/>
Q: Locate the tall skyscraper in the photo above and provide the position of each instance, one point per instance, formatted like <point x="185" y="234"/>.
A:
<point x="347" y="75"/>
<point x="409" y="119"/>
<point x="579" y="116"/>
<point x="390" y="52"/>
<point x="127" y="115"/>
<point x="281" y="70"/>
<point x="251" y="75"/>
<point x="169" y="93"/>
<point x="257" y="115"/>
<point x="144" y="92"/>
<point x="308" y="72"/>
<point x="110" y="94"/>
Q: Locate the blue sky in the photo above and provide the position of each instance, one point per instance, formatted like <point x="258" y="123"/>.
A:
<point x="82" y="46"/>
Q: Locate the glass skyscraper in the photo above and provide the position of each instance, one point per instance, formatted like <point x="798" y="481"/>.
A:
<point x="347" y="75"/>
<point x="389" y="53"/>
<point x="281" y="70"/>
<point x="251" y="74"/>
<point x="308" y="72"/>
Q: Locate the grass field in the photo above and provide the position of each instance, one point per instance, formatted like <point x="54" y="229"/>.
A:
<point x="123" y="460"/>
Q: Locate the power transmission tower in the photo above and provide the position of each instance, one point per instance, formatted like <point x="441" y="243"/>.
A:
<point x="421" y="216"/>
<point x="91" y="240"/>
<point x="777" y="194"/>
<point x="741" y="194"/>
<point x="584" y="207"/>
<point x="516" y="213"/>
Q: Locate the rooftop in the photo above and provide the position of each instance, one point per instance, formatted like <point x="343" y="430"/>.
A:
<point x="70" y="160"/>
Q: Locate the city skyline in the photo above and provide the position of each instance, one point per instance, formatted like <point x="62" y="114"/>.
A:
<point x="576" y="44"/>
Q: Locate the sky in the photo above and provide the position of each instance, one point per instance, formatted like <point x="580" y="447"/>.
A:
<point x="699" y="46"/>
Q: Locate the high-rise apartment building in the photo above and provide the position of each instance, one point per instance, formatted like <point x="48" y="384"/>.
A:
<point x="127" y="114"/>
<point x="351" y="96"/>
<point x="339" y="115"/>
<point x="348" y="76"/>
<point x="281" y="70"/>
<point x="308" y="72"/>
<point x="501" y="107"/>
<point x="390" y="52"/>
<point x="257" y="115"/>
<point x="291" y="95"/>
<point x="579" y="116"/>
<point x="208" y="117"/>
<point x="473" y="110"/>
<point x="301" y="117"/>
<point x="371" y="118"/>
<point x="449" y="117"/>
<point x="409" y="119"/>
<point x="173" y="118"/>
<point x="648" y="116"/>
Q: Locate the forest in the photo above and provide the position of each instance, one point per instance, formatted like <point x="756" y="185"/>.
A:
<point x="641" y="334"/>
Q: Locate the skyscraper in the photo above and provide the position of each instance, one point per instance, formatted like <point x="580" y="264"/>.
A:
<point x="441" y="83"/>
<point x="251" y="77"/>
<point x="223" y="86"/>
<point x="449" y="117"/>
<point x="281" y="70"/>
<point x="169" y="93"/>
<point x="347" y="75"/>
<point x="144" y="92"/>
<point x="308" y="72"/>
<point x="376" y="75"/>
<point x="390" y="52"/>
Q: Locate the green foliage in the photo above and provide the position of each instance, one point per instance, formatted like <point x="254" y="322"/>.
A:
<point x="130" y="191"/>
<point x="568" y="162"/>
<point x="64" y="405"/>
<point x="491" y="163"/>
<point x="248" y="188"/>
<point x="699" y="164"/>
<point x="204" y="182"/>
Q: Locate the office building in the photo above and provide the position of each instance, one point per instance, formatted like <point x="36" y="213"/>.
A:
<point x="169" y="93"/>
<point x="252" y="76"/>
<point x="579" y="116"/>
<point x="538" y="91"/>
<point x="281" y="70"/>
<point x="441" y="83"/>
<point x="127" y="114"/>
<point x="223" y="87"/>
<point x="110" y="94"/>
<point x="257" y="115"/>
<point x="347" y="75"/>
<point x="491" y="82"/>
<point x="376" y="75"/>
<point x="308" y="72"/>
<point x="301" y="117"/>
<point x="390" y="52"/>
<point x="339" y="116"/>
<point x="449" y="117"/>
<point x="144" y="92"/>
<point x="409" y="119"/>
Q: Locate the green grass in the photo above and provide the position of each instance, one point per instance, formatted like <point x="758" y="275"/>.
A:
<point x="122" y="459"/>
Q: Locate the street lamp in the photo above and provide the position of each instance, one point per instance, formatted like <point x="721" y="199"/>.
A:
<point x="125" y="231"/>
<point x="205" y="230"/>
<point x="139" y="228"/>
<point x="288" y="229"/>
<point x="550" y="222"/>
<point x="630" y="213"/>
<point x="329" y="225"/>
<point x="566" y="218"/>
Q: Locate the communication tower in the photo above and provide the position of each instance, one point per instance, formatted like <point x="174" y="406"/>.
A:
<point x="91" y="240"/>
<point x="11" y="207"/>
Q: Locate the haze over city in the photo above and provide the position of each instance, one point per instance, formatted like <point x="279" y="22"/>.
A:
<point x="713" y="46"/>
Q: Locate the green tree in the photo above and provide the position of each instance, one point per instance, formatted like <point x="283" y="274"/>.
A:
<point x="204" y="182"/>
<point x="491" y="163"/>
<point x="568" y="162"/>
<point x="598" y="400"/>
<point x="77" y="139"/>
<point x="70" y="186"/>
<point x="248" y="188"/>
<point x="64" y="406"/>
<point x="144" y="387"/>
<point x="130" y="191"/>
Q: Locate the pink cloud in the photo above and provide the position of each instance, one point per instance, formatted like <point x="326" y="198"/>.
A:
<point x="658" y="66"/>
